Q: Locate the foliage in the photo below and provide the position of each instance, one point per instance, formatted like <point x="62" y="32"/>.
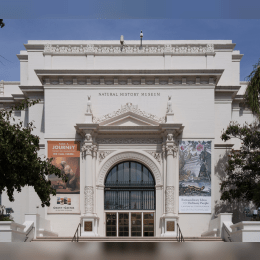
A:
<point x="2" y="24"/>
<point x="243" y="168"/>
<point x="253" y="90"/>
<point x="20" y="164"/>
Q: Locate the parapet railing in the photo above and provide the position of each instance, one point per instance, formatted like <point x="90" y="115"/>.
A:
<point x="179" y="237"/>
<point x="77" y="234"/>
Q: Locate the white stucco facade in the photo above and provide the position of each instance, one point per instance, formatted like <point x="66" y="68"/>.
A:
<point x="126" y="104"/>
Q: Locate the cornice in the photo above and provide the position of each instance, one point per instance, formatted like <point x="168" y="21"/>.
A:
<point x="28" y="90"/>
<point x="226" y="93"/>
<point x="237" y="57"/>
<point x="227" y="88"/>
<point x="22" y="57"/>
<point x="129" y="77"/>
<point x="10" y="82"/>
<point x="224" y="47"/>
<point x="223" y="146"/>
<point x="176" y="128"/>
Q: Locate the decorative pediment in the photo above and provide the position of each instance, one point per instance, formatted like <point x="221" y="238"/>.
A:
<point x="129" y="115"/>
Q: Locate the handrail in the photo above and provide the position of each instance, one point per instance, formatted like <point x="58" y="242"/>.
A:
<point x="77" y="234"/>
<point x="179" y="237"/>
<point x="228" y="233"/>
<point x="28" y="232"/>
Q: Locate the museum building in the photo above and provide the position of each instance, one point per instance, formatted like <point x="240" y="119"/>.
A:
<point x="136" y="129"/>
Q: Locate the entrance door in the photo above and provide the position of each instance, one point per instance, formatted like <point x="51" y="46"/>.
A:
<point x="148" y="224"/>
<point x="111" y="225"/>
<point x="130" y="224"/>
<point x="123" y="224"/>
<point x="136" y="224"/>
<point x="129" y="190"/>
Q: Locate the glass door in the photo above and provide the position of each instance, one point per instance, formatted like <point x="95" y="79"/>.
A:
<point x="136" y="224"/>
<point x="148" y="224"/>
<point x="111" y="225"/>
<point x="123" y="224"/>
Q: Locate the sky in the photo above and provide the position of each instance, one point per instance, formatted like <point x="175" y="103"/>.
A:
<point x="107" y="20"/>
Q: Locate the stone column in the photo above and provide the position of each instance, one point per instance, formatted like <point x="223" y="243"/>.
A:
<point x="87" y="149"/>
<point x="170" y="174"/>
<point x="94" y="153"/>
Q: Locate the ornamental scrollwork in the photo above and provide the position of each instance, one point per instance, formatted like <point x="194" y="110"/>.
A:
<point x="87" y="149"/>
<point x="157" y="156"/>
<point x="88" y="199"/>
<point x="103" y="155"/>
<point x="169" y="199"/>
<point x="171" y="149"/>
<point x="91" y="48"/>
<point x="129" y="107"/>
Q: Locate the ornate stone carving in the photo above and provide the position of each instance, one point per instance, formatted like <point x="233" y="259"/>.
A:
<point x="88" y="137"/>
<point x="87" y="149"/>
<point x="129" y="107"/>
<point x="169" y="105"/>
<point x="129" y="141"/>
<point x="89" y="105"/>
<point x="163" y="151"/>
<point x="103" y="155"/>
<point x="210" y="47"/>
<point x="129" y="156"/>
<point x="88" y="199"/>
<point x="157" y="156"/>
<point x="169" y="137"/>
<point x="171" y="149"/>
<point x="128" y="50"/>
<point x="94" y="150"/>
<point x="169" y="199"/>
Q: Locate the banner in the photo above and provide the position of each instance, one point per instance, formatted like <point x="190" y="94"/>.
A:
<point x="66" y="157"/>
<point x="195" y="177"/>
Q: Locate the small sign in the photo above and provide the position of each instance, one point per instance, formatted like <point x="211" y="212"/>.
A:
<point x="88" y="226"/>
<point x="170" y="226"/>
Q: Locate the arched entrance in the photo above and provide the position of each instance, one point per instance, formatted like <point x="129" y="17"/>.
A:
<point x="129" y="200"/>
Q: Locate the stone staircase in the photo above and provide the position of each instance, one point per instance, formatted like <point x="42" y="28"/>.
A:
<point x="127" y="239"/>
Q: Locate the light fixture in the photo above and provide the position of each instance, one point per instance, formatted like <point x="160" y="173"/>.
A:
<point x="141" y="38"/>
<point x="122" y="42"/>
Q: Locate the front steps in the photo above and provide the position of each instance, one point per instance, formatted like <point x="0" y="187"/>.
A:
<point x="127" y="239"/>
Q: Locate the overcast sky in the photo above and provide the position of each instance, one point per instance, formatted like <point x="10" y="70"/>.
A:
<point x="34" y="25"/>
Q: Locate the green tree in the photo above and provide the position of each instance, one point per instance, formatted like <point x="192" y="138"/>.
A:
<point x="253" y="90"/>
<point x="20" y="164"/>
<point x="2" y="24"/>
<point x="242" y="180"/>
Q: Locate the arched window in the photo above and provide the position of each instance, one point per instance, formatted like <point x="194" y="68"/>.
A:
<point x="129" y="186"/>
